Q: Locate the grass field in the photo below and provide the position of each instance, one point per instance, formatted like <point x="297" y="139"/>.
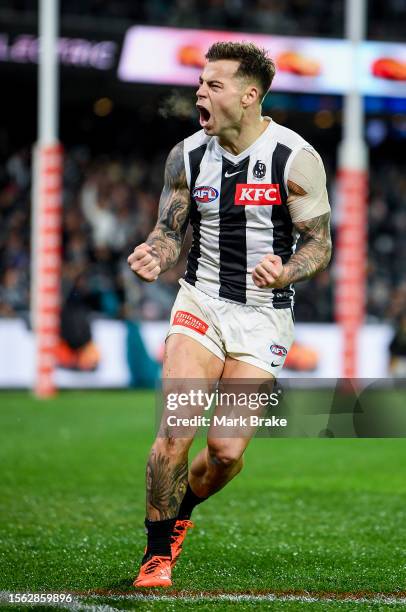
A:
<point x="308" y="521"/>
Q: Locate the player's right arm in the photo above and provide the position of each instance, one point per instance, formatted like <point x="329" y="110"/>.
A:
<point x="162" y="248"/>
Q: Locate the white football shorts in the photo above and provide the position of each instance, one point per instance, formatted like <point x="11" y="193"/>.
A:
<point x="259" y="335"/>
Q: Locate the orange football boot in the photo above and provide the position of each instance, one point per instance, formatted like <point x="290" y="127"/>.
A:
<point x="177" y="538"/>
<point x="156" y="572"/>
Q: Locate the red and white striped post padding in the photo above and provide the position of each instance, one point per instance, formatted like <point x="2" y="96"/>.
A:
<point x="351" y="257"/>
<point x="48" y="266"/>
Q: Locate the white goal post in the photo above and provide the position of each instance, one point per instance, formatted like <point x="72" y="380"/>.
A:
<point x="47" y="206"/>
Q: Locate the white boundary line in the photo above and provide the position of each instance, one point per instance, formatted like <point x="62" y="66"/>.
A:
<point x="266" y="597"/>
<point x="85" y="602"/>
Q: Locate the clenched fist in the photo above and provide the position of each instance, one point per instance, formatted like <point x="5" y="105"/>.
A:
<point x="145" y="262"/>
<point x="269" y="272"/>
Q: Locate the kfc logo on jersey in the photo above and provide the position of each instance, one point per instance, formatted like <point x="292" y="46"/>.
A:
<point x="279" y="350"/>
<point x="257" y="195"/>
<point x="205" y="194"/>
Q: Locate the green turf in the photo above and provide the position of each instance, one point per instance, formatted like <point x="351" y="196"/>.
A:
<point x="316" y="515"/>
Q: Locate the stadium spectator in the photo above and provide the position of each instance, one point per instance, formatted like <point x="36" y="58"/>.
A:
<point x="100" y="217"/>
<point x="397" y="347"/>
<point x="13" y="293"/>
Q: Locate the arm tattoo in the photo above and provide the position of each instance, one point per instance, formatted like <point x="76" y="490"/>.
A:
<point x="166" y="486"/>
<point x="314" y="253"/>
<point x="173" y="215"/>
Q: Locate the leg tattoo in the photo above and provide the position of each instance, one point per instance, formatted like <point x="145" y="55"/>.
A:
<point x="166" y="485"/>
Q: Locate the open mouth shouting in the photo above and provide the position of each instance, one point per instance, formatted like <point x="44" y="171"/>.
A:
<point x="204" y="115"/>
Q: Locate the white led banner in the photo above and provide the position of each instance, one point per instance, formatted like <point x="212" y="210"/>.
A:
<point x="314" y="65"/>
<point x="316" y="354"/>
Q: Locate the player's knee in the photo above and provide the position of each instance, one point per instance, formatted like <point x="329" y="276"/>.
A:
<point x="171" y="447"/>
<point x="224" y="453"/>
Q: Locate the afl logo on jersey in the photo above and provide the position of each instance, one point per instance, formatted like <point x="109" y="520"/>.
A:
<point x="279" y="350"/>
<point x="205" y="194"/>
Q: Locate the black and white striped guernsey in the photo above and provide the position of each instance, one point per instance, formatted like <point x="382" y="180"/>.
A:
<point x="239" y="213"/>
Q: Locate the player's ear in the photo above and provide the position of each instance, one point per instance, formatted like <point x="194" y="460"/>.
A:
<point x="250" y="96"/>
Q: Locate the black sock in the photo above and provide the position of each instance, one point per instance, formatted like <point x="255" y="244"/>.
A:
<point x="159" y="538"/>
<point x="188" y="503"/>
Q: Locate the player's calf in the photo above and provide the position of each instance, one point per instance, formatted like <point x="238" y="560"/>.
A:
<point x="167" y="479"/>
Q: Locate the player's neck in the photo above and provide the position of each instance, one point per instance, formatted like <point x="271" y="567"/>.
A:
<point x="240" y="138"/>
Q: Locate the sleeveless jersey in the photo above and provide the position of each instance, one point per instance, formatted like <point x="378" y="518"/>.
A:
<point x="239" y="214"/>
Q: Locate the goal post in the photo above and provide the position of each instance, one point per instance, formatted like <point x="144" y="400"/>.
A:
<point x="351" y="243"/>
<point x="46" y="207"/>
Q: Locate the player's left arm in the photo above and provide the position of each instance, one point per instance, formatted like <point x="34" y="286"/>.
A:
<point x="314" y="254"/>
<point x="310" y="212"/>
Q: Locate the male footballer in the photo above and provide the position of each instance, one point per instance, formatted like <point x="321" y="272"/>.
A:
<point x="249" y="187"/>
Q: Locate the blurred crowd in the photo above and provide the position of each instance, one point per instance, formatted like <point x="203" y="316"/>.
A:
<point x="289" y="17"/>
<point x="110" y="205"/>
<point x="387" y="245"/>
<point x="270" y="16"/>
